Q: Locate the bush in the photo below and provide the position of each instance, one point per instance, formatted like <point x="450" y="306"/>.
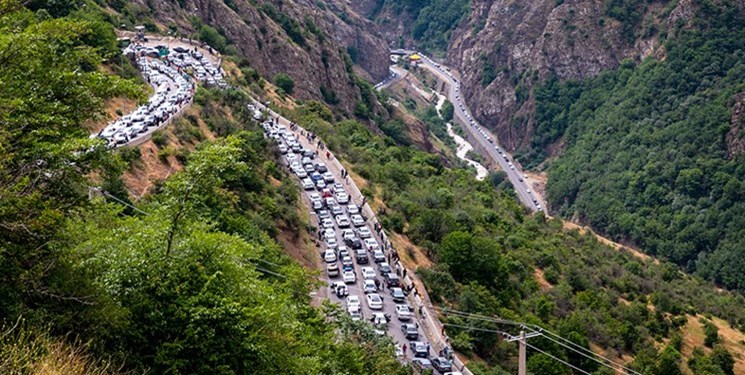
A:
<point x="212" y="37"/>
<point x="166" y="152"/>
<point x="130" y="155"/>
<point x="159" y="138"/>
<point x="285" y="82"/>
<point x="711" y="333"/>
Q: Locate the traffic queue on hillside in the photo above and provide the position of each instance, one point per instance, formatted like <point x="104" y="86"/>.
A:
<point x="356" y="258"/>
<point x="472" y="123"/>
<point x="174" y="89"/>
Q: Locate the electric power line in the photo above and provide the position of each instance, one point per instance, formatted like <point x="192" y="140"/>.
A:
<point x="106" y="193"/>
<point x="615" y="365"/>
<point x="557" y="359"/>
<point x="623" y="368"/>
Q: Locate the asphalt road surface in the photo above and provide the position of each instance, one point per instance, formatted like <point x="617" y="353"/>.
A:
<point x="482" y="136"/>
<point x="394" y="325"/>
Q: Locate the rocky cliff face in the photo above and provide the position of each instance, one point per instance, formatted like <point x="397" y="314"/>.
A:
<point x="306" y="39"/>
<point x="505" y="47"/>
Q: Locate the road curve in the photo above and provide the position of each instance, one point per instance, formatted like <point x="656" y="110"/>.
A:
<point x="483" y="137"/>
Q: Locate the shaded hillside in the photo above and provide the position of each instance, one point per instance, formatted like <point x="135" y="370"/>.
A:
<point x="647" y="159"/>
<point x="310" y="41"/>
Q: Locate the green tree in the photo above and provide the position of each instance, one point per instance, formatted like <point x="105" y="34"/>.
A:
<point x="284" y="82"/>
<point x="545" y="365"/>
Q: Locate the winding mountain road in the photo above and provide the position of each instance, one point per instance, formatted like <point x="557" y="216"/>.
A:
<point x="483" y="137"/>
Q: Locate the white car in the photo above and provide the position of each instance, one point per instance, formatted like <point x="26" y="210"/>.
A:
<point x="355" y="312"/>
<point x="338" y="188"/>
<point x="364" y="232"/>
<point x="329" y="233"/>
<point x="331" y="243"/>
<point x="353" y="301"/>
<point x="403" y="312"/>
<point x="357" y="220"/>
<point x="348" y="234"/>
<point x="329" y="256"/>
<point x="367" y="272"/>
<point x="374" y="301"/>
<point x="353" y="209"/>
<point x="370" y="244"/>
<point x="342" y="221"/>
<point x="379" y="319"/>
<point x="369" y="287"/>
<point x="342" y="198"/>
<point x="308" y="184"/>
<point x="120" y="138"/>
<point x="349" y="277"/>
<point x="328" y="177"/>
<point x="327" y="223"/>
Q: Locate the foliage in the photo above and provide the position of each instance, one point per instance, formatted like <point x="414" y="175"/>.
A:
<point x="434" y="20"/>
<point x="645" y="159"/>
<point x="284" y="82"/>
<point x="171" y="285"/>
<point x="50" y="82"/>
<point x="486" y="247"/>
<point x="212" y="37"/>
<point x="447" y="111"/>
<point x="289" y="25"/>
<point x="711" y="333"/>
<point x="396" y="129"/>
<point x="28" y="350"/>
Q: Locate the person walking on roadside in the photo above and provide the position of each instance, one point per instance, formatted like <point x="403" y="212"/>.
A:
<point x="403" y="347"/>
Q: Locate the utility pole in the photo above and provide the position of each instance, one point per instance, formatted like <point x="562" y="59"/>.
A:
<point x="522" y="354"/>
<point x="522" y="343"/>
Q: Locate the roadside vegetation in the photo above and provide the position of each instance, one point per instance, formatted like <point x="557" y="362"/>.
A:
<point x="183" y="281"/>
<point x="645" y="158"/>
<point x="494" y="259"/>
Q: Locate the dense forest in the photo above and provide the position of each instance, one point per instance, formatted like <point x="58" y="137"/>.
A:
<point x="645" y="158"/>
<point x="174" y="283"/>
<point x="432" y="20"/>
<point x="487" y="249"/>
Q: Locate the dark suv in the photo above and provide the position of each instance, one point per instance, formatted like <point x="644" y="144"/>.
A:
<point x="391" y="279"/>
<point x="410" y="331"/>
<point x="354" y="243"/>
<point x="361" y="256"/>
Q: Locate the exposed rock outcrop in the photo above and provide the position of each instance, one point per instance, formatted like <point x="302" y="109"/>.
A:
<point x="313" y="57"/>
<point x="504" y="47"/>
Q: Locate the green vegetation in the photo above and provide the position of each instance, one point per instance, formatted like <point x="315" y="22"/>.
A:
<point x="486" y="249"/>
<point x="284" y="82"/>
<point x="434" y="20"/>
<point x="175" y="284"/>
<point x="290" y="26"/>
<point x="645" y="159"/>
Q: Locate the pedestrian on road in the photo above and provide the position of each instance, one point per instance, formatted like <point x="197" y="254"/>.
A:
<point x="403" y="347"/>
<point x="364" y="200"/>
<point x="404" y="273"/>
<point x="328" y="155"/>
<point x="428" y="348"/>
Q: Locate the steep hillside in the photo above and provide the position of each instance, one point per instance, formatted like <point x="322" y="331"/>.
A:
<point x="652" y="152"/>
<point x="314" y="42"/>
<point x="505" y="47"/>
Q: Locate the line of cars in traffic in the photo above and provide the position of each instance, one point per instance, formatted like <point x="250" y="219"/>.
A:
<point x="349" y="248"/>
<point x="478" y="128"/>
<point x="174" y="89"/>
